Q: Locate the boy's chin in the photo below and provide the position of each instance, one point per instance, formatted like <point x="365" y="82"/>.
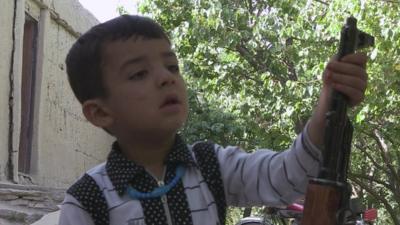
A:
<point x="163" y="134"/>
<point x="174" y="123"/>
<point x="174" y="128"/>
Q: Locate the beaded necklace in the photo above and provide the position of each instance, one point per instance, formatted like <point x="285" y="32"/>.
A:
<point x="160" y="191"/>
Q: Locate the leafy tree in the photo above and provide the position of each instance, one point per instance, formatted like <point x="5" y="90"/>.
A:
<point x="254" y="69"/>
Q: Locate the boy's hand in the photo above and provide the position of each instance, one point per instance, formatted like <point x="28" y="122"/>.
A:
<point x="348" y="76"/>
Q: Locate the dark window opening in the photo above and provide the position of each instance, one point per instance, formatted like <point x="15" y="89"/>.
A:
<point x="27" y="93"/>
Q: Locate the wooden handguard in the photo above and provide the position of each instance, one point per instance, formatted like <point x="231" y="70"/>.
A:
<point x="324" y="201"/>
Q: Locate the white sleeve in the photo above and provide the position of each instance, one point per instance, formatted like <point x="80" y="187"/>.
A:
<point x="265" y="177"/>
<point x="72" y="213"/>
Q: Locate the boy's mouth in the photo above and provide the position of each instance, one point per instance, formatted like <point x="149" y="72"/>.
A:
<point x="170" y="100"/>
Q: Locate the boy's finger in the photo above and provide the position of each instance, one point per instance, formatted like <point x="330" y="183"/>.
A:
<point x="347" y="68"/>
<point x="350" y="81"/>
<point x="358" y="58"/>
<point x="355" y="96"/>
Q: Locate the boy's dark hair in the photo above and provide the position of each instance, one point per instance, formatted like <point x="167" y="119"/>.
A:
<point x="85" y="56"/>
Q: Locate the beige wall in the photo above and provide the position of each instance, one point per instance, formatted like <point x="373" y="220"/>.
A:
<point x="64" y="144"/>
<point x="6" y="20"/>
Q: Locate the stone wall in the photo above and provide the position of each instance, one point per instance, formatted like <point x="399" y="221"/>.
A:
<point x="64" y="144"/>
<point x="6" y="43"/>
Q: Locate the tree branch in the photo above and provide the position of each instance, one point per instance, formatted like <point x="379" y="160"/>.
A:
<point x="250" y="5"/>
<point x="322" y="2"/>
<point x="384" y="153"/>
<point x="369" y="178"/>
<point x="329" y="42"/>
<point x="290" y="65"/>
<point x="371" y="158"/>
<point x="246" y="54"/>
<point x="390" y="1"/>
<point x="379" y="198"/>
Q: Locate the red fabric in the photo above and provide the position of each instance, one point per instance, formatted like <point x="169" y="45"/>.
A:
<point x="370" y="214"/>
<point x="295" y="207"/>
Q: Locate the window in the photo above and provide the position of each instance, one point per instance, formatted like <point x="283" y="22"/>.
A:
<point x="27" y="93"/>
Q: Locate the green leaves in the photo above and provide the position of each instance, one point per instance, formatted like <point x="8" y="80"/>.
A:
<point x="254" y="73"/>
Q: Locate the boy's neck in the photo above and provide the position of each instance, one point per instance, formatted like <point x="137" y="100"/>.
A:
<point x="149" y="153"/>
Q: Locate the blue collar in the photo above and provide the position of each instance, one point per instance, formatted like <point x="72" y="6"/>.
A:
<point x="160" y="191"/>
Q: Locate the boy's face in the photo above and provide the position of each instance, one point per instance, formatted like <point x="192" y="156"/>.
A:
<point x="146" y="92"/>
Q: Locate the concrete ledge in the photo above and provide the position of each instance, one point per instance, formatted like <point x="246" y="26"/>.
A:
<point x="26" y="204"/>
<point x="29" y="187"/>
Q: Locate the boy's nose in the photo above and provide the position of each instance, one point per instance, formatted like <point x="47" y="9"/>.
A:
<point x="165" y="78"/>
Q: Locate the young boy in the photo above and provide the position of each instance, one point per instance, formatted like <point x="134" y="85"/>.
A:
<point x="127" y="79"/>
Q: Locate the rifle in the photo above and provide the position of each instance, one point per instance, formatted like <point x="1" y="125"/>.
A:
<point x="328" y="195"/>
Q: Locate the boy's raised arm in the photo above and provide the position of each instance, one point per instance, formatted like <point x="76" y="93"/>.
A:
<point x="266" y="177"/>
<point x="347" y="76"/>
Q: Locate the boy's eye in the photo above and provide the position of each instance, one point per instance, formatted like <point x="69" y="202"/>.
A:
<point x="173" y="68"/>
<point x="138" y="76"/>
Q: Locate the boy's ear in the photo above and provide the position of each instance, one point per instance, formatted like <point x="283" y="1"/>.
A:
<point x="97" y="113"/>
